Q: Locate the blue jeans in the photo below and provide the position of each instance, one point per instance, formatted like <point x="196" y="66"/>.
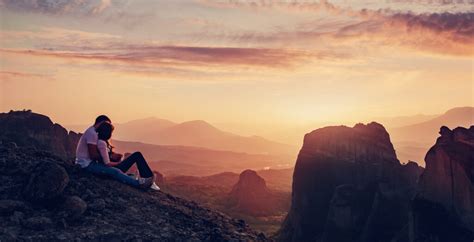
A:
<point x="115" y="173"/>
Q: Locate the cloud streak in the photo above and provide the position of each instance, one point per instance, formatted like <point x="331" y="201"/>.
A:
<point x="182" y="55"/>
<point x="438" y="33"/>
<point x="57" y="7"/>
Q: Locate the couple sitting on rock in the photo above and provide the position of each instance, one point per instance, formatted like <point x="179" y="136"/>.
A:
<point x="94" y="154"/>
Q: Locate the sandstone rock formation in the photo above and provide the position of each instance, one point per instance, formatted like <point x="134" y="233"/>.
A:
<point x="443" y="208"/>
<point x="349" y="186"/>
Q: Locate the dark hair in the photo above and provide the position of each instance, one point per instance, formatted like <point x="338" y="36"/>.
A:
<point x="104" y="131"/>
<point x="102" y="118"/>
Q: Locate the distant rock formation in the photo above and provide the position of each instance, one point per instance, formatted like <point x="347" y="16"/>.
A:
<point x="250" y="194"/>
<point x="443" y="209"/>
<point x="349" y="186"/>
<point x="37" y="131"/>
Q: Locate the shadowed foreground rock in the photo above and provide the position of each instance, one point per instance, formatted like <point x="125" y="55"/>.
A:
<point x="28" y="129"/>
<point x="443" y="209"/>
<point x="63" y="203"/>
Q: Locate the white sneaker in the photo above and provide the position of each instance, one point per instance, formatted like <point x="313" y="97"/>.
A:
<point x="155" y="187"/>
<point x="145" y="182"/>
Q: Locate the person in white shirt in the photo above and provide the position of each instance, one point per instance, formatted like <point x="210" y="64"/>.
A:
<point x="94" y="154"/>
<point x="86" y="150"/>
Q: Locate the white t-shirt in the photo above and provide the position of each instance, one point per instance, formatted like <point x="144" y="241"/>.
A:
<point x="82" y="152"/>
<point x="104" y="151"/>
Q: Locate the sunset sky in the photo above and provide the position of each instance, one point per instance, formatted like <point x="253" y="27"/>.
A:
<point x="249" y="62"/>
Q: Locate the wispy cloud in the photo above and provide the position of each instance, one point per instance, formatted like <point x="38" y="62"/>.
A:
<point x="58" y="6"/>
<point x="439" y="33"/>
<point x="182" y="55"/>
<point x="16" y="75"/>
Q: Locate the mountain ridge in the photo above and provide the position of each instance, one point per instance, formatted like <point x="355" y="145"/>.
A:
<point x="413" y="140"/>
<point x="199" y="133"/>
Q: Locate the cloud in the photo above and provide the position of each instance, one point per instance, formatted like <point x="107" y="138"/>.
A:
<point x="15" y="75"/>
<point x="418" y="6"/>
<point x="446" y="33"/>
<point x="181" y="62"/>
<point x="439" y="33"/>
<point x="181" y="55"/>
<point x="57" y="7"/>
<point x="102" y="6"/>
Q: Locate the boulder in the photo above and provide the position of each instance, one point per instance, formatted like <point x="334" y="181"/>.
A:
<point x="74" y="207"/>
<point x="47" y="182"/>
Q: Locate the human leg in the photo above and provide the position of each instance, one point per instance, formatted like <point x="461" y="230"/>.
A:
<point x="100" y="169"/>
<point x="142" y="165"/>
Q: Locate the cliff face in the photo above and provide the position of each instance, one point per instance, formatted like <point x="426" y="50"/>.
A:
<point x="344" y="180"/>
<point x="444" y="204"/>
<point x="37" y="131"/>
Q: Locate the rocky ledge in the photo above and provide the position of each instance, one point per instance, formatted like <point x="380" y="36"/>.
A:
<point x="44" y="198"/>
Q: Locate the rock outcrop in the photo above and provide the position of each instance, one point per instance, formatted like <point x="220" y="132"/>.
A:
<point x="85" y="207"/>
<point x="349" y="186"/>
<point x="43" y="197"/>
<point x="250" y="194"/>
<point x="443" y="208"/>
<point x="37" y="131"/>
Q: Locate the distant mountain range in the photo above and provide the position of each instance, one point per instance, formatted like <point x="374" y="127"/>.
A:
<point x="196" y="161"/>
<point x="411" y="135"/>
<point x="400" y="121"/>
<point x="412" y="141"/>
<point x="196" y="133"/>
<point x="427" y="131"/>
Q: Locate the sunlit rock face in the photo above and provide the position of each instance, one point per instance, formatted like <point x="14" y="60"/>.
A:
<point x="444" y="203"/>
<point x="349" y="186"/>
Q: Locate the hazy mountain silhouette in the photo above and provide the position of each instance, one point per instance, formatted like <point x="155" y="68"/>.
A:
<point x="193" y="133"/>
<point x="412" y="141"/>
<point x="197" y="161"/>
<point x="428" y="131"/>
<point x="400" y="121"/>
<point x="137" y="129"/>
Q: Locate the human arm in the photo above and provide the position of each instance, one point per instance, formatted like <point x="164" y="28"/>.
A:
<point x="103" y="151"/>
<point x="92" y="139"/>
<point x="115" y="157"/>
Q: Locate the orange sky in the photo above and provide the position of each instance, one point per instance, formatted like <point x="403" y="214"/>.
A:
<point x="256" y="63"/>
